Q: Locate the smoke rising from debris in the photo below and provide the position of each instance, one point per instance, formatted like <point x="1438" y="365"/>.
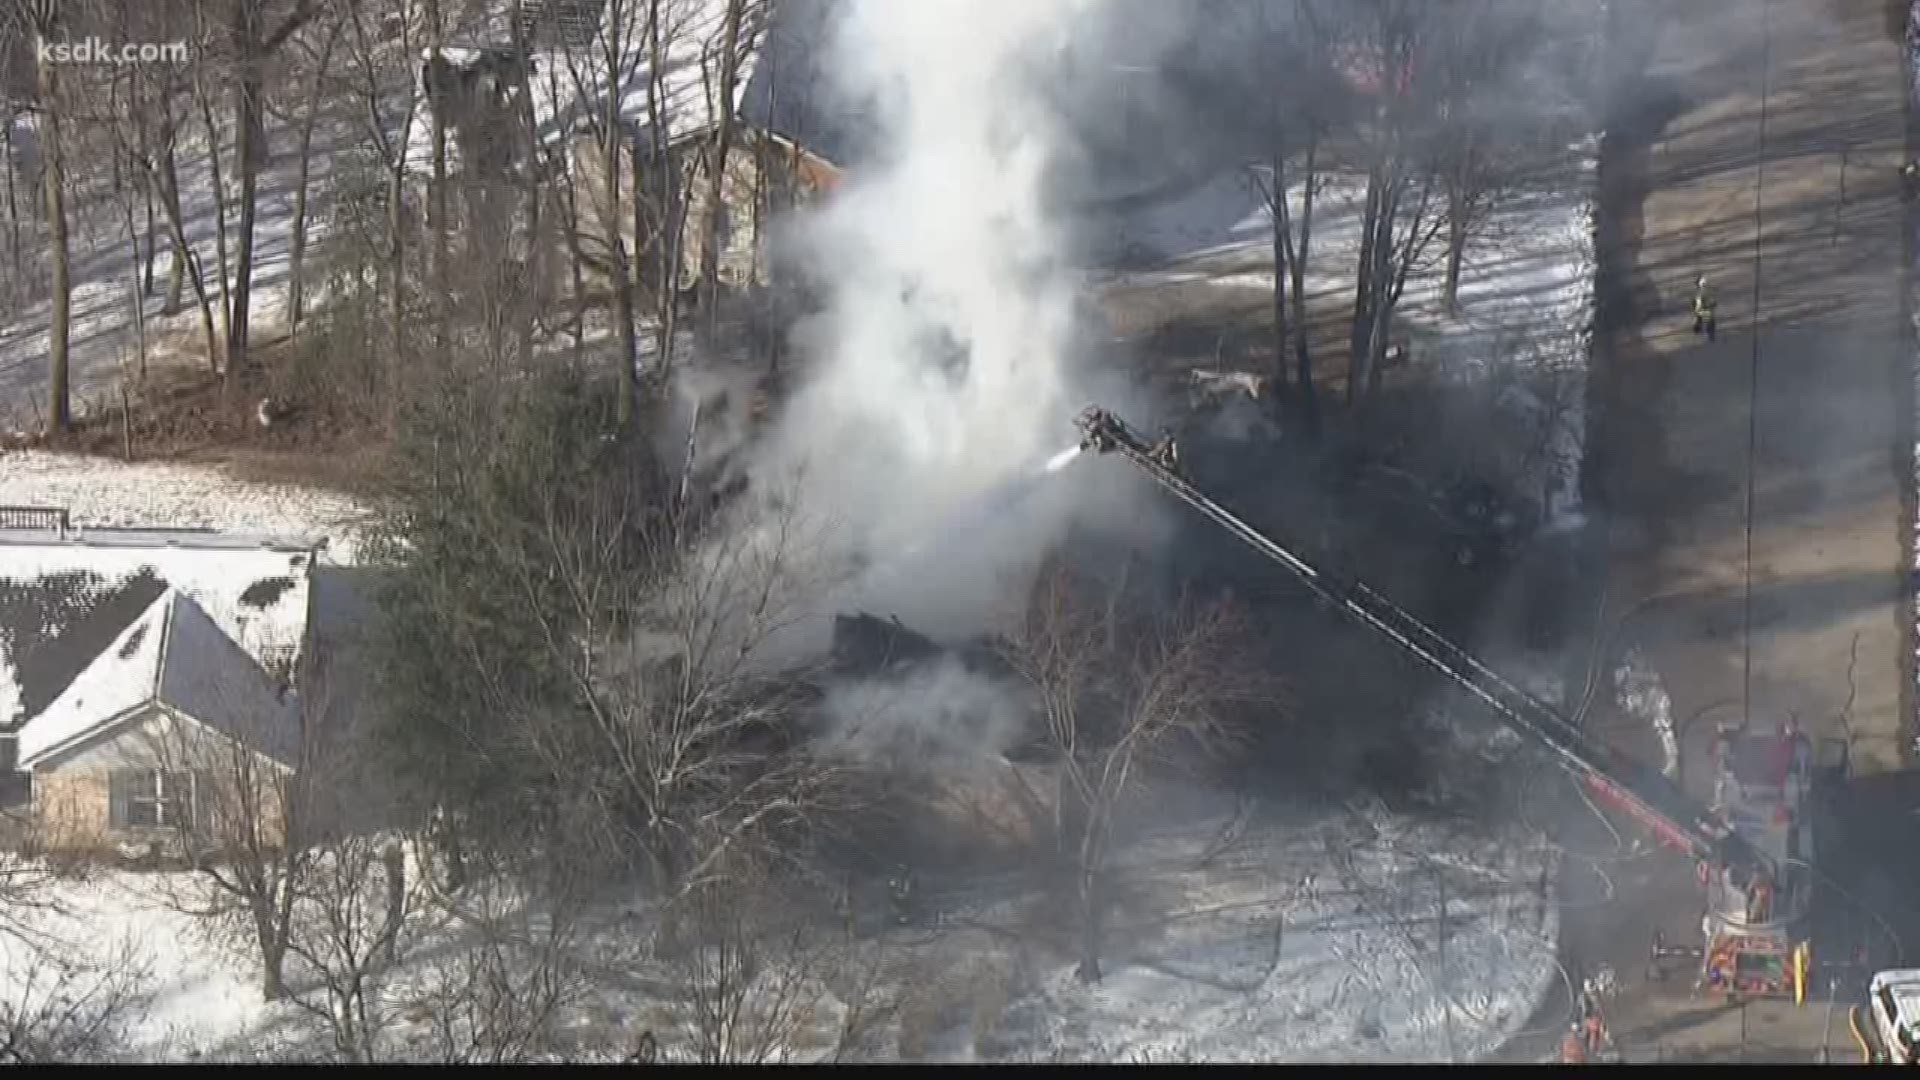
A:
<point x="936" y="715"/>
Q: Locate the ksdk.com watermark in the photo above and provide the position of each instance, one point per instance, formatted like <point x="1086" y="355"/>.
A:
<point x="92" y="50"/>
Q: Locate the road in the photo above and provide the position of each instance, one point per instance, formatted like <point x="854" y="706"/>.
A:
<point x="1750" y="488"/>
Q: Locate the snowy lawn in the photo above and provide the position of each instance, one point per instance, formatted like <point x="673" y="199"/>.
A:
<point x="103" y="492"/>
<point x="191" y="993"/>
<point x="1325" y="941"/>
<point x="1350" y="935"/>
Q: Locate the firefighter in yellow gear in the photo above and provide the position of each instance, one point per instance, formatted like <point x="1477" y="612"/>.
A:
<point x="1704" y="303"/>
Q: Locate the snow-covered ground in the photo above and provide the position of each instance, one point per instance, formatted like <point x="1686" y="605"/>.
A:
<point x="103" y="492"/>
<point x="1351" y="936"/>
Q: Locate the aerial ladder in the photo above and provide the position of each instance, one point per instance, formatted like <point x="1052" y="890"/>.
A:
<point x="1752" y="853"/>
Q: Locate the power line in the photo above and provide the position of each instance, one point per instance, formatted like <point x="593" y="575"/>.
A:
<point x="1753" y="365"/>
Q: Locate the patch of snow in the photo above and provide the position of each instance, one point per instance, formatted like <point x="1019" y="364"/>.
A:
<point x="199" y="994"/>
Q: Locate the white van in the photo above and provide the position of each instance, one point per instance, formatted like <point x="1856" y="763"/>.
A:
<point x="1893" y="1000"/>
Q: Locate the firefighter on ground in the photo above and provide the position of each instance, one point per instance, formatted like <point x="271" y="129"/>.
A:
<point x="1704" y="303"/>
<point x="1760" y="899"/>
<point x="1910" y="180"/>
<point x="1592" y="1024"/>
<point x="1166" y="452"/>
<point x="1573" y="1048"/>
<point x="1722" y="755"/>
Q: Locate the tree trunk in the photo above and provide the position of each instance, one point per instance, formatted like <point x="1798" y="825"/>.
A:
<point x="170" y="202"/>
<point x="576" y="258"/>
<point x="146" y="273"/>
<point x="613" y="150"/>
<point x="395" y="864"/>
<point x="1369" y="338"/>
<point x="1309" y="401"/>
<point x="1091" y="903"/>
<point x="437" y="104"/>
<point x="53" y="183"/>
<point x="1363" y="287"/>
<point x="273" y="982"/>
<point x="1277" y="215"/>
<point x="669" y="215"/>
<point x="13" y="207"/>
<point x="717" y="165"/>
<point x="396" y="281"/>
<point x="186" y="265"/>
<point x="629" y="354"/>
<point x="219" y="223"/>
<point x="530" y="194"/>
<point x="271" y="933"/>
<point x="125" y="196"/>
<point x="248" y="137"/>
<point x="297" y="242"/>
<point x="1456" y="247"/>
<point x="1377" y="340"/>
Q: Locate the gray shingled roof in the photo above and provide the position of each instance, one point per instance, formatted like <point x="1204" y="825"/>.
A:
<point x="175" y="656"/>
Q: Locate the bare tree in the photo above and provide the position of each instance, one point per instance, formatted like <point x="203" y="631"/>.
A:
<point x="499" y="997"/>
<point x="558" y="162"/>
<point x="253" y="38"/>
<point x="148" y="138"/>
<point x="663" y="218"/>
<point x="678" y="729"/>
<point x="1121" y="695"/>
<point x="349" y="923"/>
<point x="438" y="105"/>
<point x="318" y="58"/>
<point x="1389" y="39"/>
<point x="1304" y="103"/>
<point x="62" y="1008"/>
<point x="378" y="63"/>
<point x="1483" y="144"/>
<point x="284" y="773"/>
<point x="751" y="977"/>
<point x="602" y="79"/>
<point x="736" y="37"/>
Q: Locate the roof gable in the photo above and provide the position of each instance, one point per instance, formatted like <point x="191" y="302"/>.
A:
<point x="125" y="676"/>
<point x="174" y="655"/>
<point x="62" y="600"/>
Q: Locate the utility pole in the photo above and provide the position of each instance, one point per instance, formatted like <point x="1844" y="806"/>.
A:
<point x="1446" y="987"/>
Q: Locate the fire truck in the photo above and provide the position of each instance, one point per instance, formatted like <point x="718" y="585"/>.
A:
<point x="1752" y="848"/>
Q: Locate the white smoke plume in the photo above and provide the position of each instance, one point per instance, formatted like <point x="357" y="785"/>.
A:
<point x="936" y="716"/>
<point x="938" y="383"/>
